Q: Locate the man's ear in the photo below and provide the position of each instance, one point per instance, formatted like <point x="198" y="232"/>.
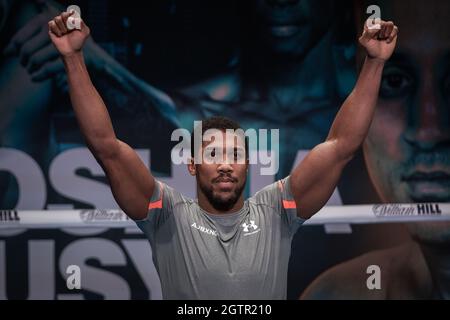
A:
<point x="191" y="167"/>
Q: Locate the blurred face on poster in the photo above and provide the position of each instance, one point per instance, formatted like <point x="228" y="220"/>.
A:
<point x="292" y="27"/>
<point x="407" y="151"/>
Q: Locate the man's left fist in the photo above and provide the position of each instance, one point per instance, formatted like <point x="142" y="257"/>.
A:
<point x="379" y="42"/>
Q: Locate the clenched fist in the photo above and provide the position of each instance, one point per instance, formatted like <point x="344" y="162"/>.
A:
<point x="67" y="41"/>
<point x="379" y="41"/>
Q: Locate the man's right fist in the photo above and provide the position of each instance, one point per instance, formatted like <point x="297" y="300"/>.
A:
<point x="67" y="41"/>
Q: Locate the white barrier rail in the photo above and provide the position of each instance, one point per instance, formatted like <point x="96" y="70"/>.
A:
<point x="346" y="214"/>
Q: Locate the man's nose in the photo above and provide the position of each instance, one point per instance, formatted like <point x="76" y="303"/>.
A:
<point x="225" y="167"/>
<point x="429" y="119"/>
<point x="281" y="3"/>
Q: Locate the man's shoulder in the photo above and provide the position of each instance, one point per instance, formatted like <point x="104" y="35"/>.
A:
<point x="400" y="278"/>
<point x="268" y="196"/>
<point x="171" y="195"/>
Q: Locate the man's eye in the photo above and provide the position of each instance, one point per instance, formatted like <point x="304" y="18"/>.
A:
<point x="213" y="152"/>
<point x="395" y="83"/>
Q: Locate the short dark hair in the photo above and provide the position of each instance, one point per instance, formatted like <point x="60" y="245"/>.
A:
<point x="219" y="123"/>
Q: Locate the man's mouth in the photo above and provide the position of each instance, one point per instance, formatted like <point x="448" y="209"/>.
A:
<point x="225" y="182"/>
<point x="428" y="186"/>
<point x="284" y="31"/>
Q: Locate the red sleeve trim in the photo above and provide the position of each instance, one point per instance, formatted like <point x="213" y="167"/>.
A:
<point x="158" y="204"/>
<point x="289" y="204"/>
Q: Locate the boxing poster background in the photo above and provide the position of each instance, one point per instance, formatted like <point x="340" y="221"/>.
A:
<point x="165" y="64"/>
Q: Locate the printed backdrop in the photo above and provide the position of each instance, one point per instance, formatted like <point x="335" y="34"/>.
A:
<point x="284" y="65"/>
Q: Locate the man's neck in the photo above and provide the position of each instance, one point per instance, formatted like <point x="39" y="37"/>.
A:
<point x="438" y="261"/>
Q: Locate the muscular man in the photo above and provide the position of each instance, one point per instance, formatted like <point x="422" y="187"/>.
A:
<point x="222" y="246"/>
<point x="407" y="154"/>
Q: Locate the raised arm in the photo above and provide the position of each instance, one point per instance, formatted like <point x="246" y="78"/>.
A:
<point x="315" y="178"/>
<point x="131" y="182"/>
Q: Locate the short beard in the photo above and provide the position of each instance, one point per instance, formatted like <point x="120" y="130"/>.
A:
<point x="218" y="203"/>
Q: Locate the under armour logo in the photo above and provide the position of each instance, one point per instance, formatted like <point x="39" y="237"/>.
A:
<point x="251" y="225"/>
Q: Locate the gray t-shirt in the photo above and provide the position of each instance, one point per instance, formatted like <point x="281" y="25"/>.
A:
<point x="242" y="255"/>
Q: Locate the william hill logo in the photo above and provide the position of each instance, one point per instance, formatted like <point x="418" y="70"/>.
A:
<point x="428" y="208"/>
<point x="417" y="209"/>
<point x="97" y="215"/>
<point x="9" y="215"/>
